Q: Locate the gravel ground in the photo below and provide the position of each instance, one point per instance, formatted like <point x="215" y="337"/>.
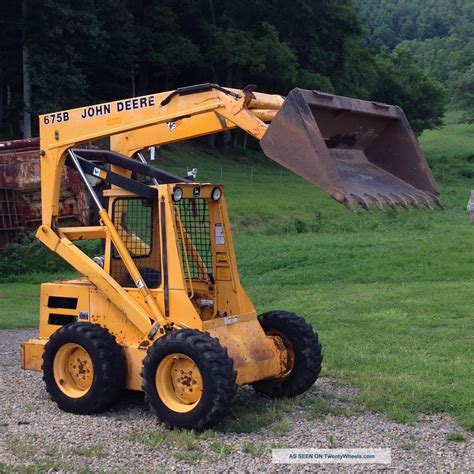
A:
<point x="34" y="433"/>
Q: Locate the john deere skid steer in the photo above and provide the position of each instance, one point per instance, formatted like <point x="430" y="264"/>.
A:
<point x="163" y="310"/>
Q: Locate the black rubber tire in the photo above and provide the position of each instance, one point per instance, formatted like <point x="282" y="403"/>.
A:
<point x="217" y="371"/>
<point x="110" y="368"/>
<point x="307" y="354"/>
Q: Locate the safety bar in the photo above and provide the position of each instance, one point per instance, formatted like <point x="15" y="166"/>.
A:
<point x="113" y="158"/>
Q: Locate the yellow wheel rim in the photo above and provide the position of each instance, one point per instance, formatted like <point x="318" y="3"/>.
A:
<point x="73" y="370"/>
<point x="178" y="382"/>
<point x="290" y="353"/>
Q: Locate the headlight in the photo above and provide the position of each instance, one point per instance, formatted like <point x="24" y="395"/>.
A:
<point x="177" y="194"/>
<point x="216" y="194"/>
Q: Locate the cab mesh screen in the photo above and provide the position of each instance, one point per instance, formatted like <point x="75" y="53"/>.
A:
<point x="133" y="219"/>
<point x="194" y="239"/>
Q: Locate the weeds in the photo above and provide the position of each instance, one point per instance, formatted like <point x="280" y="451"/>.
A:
<point x="22" y="449"/>
<point x="93" y="451"/>
<point x="458" y="437"/>
<point x="183" y="439"/>
<point x="245" y="418"/>
<point x="254" y="449"/>
<point x="317" y="406"/>
<point x="186" y="443"/>
<point x="221" y="449"/>
<point x="189" y="457"/>
<point x="281" y="427"/>
<point x="38" y="466"/>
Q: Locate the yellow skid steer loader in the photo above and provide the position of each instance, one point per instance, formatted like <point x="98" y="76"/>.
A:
<point x="164" y="310"/>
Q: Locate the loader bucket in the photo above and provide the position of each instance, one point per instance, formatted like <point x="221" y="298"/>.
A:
<point x="357" y="151"/>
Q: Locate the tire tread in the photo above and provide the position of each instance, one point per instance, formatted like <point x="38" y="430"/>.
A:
<point x="111" y="364"/>
<point x="308" y="360"/>
<point x="218" y="363"/>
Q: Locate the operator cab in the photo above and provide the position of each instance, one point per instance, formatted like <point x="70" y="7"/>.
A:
<point x="176" y="232"/>
<point x="197" y="227"/>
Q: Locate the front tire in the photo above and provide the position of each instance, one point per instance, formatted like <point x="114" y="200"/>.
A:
<point x="189" y="379"/>
<point x="84" y="369"/>
<point x="303" y="352"/>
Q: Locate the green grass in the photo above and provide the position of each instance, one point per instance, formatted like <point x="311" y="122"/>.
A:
<point x="389" y="293"/>
<point x="248" y="418"/>
<point x="19" y="305"/>
<point x="221" y="449"/>
<point x="457" y="437"/>
<point x="19" y="299"/>
<point x="253" y="448"/>
<point x="92" y="451"/>
<point x="453" y="140"/>
<point x="178" y="438"/>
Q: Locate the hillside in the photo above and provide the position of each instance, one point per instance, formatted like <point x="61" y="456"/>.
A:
<point x="439" y="33"/>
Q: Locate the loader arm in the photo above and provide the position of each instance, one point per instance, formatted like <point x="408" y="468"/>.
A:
<point x="263" y="107"/>
<point x="207" y="110"/>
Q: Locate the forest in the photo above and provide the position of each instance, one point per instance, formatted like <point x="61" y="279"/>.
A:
<point x="59" y="54"/>
<point x="438" y="33"/>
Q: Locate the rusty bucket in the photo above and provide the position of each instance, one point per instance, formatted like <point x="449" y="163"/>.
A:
<point x="357" y="151"/>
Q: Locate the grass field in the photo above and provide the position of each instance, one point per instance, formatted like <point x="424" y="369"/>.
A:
<point x="454" y="140"/>
<point x="391" y="294"/>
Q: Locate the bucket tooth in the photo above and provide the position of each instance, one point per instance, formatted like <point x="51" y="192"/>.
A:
<point x="402" y="201"/>
<point x="349" y="202"/>
<point x="436" y="200"/>
<point x="375" y="200"/>
<point x="390" y="201"/>
<point x="413" y="200"/>
<point x="426" y="201"/>
<point x="363" y="202"/>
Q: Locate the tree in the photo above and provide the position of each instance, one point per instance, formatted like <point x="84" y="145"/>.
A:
<point x="100" y="50"/>
<point x="11" y="89"/>
<point x="164" y="50"/>
<point x="114" y="52"/>
<point x="61" y="36"/>
<point x="463" y="93"/>
<point x="26" y="73"/>
<point x="402" y="82"/>
<point x="393" y="21"/>
<point x="438" y="33"/>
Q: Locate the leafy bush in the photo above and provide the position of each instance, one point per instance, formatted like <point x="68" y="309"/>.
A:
<point x="29" y="256"/>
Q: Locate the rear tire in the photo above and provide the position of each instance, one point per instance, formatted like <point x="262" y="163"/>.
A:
<point x="303" y="349"/>
<point x="189" y="379"/>
<point x="84" y="369"/>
